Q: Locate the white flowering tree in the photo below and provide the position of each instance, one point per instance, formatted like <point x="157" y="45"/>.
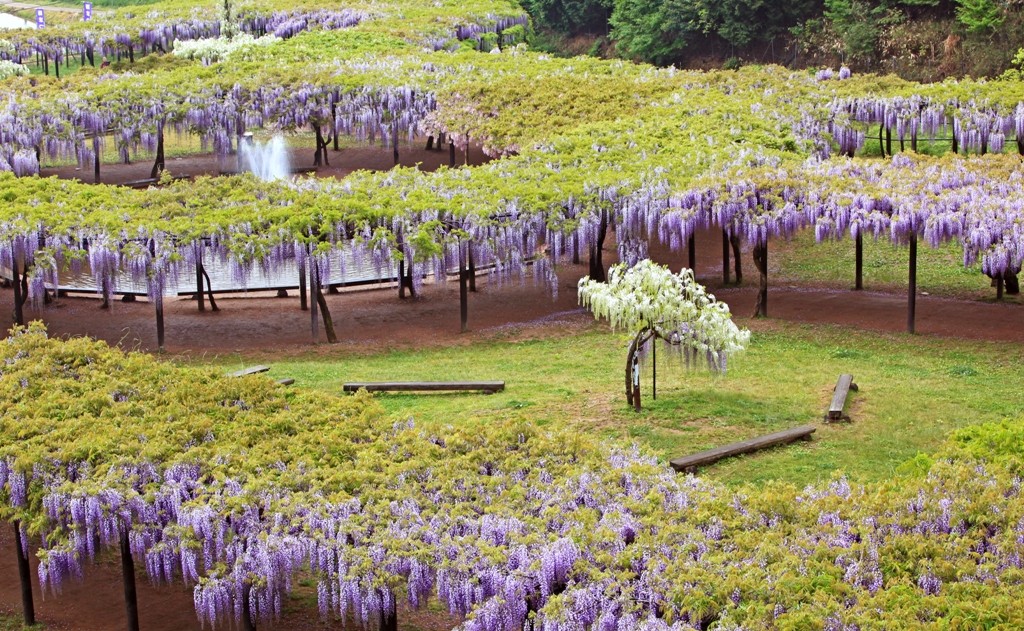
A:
<point x="652" y="303"/>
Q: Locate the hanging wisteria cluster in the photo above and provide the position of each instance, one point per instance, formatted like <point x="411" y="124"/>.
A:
<point x="243" y="488"/>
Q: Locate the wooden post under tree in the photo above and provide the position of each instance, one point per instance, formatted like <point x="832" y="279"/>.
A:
<point x="159" y="303"/>
<point x="247" y="621"/>
<point x="691" y="247"/>
<point x="472" y="268"/>
<point x="131" y="603"/>
<point x="761" y="263"/>
<point x="388" y="620"/>
<point x="158" y="164"/>
<point x="314" y="286"/>
<point x="19" y="300"/>
<point x="394" y="141"/>
<point x="302" y="286"/>
<point x="859" y="265"/>
<point x="912" y="289"/>
<point x="25" y="575"/>
<point x="199" y="280"/>
<point x="734" y="240"/>
<point x="463" y="290"/>
<point x="160" y="323"/>
<point x="96" y="158"/>
<point x="725" y="256"/>
<point x="451" y="154"/>
<point x="334" y="123"/>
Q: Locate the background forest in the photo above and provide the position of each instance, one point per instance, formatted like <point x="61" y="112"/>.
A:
<point x="923" y="40"/>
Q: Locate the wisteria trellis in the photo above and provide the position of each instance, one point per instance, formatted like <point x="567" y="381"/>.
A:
<point x="243" y="486"/>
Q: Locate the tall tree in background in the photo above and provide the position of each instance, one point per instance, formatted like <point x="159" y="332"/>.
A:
<point x="571" y="17"/>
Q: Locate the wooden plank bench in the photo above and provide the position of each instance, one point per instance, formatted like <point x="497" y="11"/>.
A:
<point x="253" y="370"/>
<point x="843" y="387"/>
<point x="489" y="387"/>
<point x="690" y="463"/>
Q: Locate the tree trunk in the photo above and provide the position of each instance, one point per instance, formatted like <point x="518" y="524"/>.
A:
<point x="463" y="292"/>
<point x="734" y="239"/>
<point x="320" y="155"/>
<point x="912" y="289"/>
<point x="881" y="147"/>
<point x="334" y="124"/>
<point x="725" y="256"/>
<point x="472" y="268"/>
<point x="401" y="279"/>
<point x="633" y="367"/>
<point x="859" y="264"/>
<point x="597" y="271"/>
<point x="247" y="621"/>
<point x="209" y="290"/>
<point x="158" y="164"/>
<point x="761" y="263"/>
<point x="325" y="312"/>
<point x="302" y="286"/>
<point x="199" y="285"/>
<point x="451" y="154"/>
<point x="430" y="142"/>
<point x="160" y="323"/>
<point x="1012" y="283"/>
<point x="19" y="302"/>
<point x="691" y="247"/>
<point x="25" y="574"/>
<point x="314" y="288"/>
<point x="96" y="157"/>
<point x="131" y="603"/>
<point x="388" y="621"/>
<point x="888" y="140"/>
<point x="394" y="142"/>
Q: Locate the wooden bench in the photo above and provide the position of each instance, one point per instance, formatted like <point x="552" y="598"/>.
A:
<point x="253" y="370"/>
<point x="690" y="463"/>
<point x="843" y="387"/>
<point x="489" y="387"/>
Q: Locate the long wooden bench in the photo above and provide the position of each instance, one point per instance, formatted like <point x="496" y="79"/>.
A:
<point x="253" y="370"/>
<point x="489" y="387"/>
<point x="843" y="387"/>
<point x="690" y="463"/>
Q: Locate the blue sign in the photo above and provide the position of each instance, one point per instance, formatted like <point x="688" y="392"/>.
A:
<point x="40" y="18"/>
<point x="86" y="11"/>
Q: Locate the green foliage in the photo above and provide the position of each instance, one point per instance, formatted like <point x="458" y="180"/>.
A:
<point x="980" y="16"/>
<point x="570" y="16"/>
<point x="770" y="556"/>
<point x="858" y="24"/>
<point x="652" y="30"/>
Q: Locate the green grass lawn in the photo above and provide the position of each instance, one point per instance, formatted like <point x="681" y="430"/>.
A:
<point x="15" y="622"/>
<point x="940" y="271"/>
<point x="914" y="390"/>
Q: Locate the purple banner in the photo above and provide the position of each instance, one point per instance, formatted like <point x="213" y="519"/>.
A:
<point x="40" y="18"/>
<point x="86" y="11"/>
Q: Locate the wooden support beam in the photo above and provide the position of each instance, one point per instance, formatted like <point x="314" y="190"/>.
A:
<point x="489" y="387"/>
<point x="843" y="387"/>
<point x="25" y="574"/>
<point x="912" y="289"/>
<point x="689" y="463"/>
<point x="131" y="602"/>
<point x="251" y="370"/>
